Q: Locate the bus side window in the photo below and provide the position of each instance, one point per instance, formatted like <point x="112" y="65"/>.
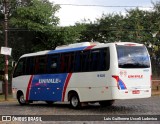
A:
<point x="40" y="65"/>
<point x="67" y="62"/>
<point x="77" y="64"/>
<point x="62" y="64"/>
<point x="85" y="61"/>
<point x="105" y="59"/>
<point x="100" y="59"/>
<point x="20" y="68"/>
<point x="30" y="64"/>
<point x="72" y="59"/>
<point x="53" y="64"/>
<point x="95" y="58"/>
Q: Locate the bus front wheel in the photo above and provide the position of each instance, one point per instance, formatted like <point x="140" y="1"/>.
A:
<point x="21" y="99"/>
<point x="106" y="103"/>
<point x="74" y="101"/>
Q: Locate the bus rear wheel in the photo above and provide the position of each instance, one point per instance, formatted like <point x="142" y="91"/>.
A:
<point x="21" y="99"/>
<point x="106" y="103"/>
<point x="74" y="101"/>
<point x="49" y="102"/>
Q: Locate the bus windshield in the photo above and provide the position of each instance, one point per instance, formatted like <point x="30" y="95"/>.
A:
<point x="132" y="57"/>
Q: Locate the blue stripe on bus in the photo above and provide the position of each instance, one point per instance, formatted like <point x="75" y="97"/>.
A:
<point x="47" y="87"/>
<point x="121" y="84"/>
<point x="66" y="50"/>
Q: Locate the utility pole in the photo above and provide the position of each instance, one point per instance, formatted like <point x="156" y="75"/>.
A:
<point x="6" y="45"/>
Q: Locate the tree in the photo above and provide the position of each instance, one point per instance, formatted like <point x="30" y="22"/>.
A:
<point x="111" y="27"/>
<point x="31" y="25"/>
<point x="155" y="44"/>
<point x="88" y="31"/>
<point x="35" y="15"/>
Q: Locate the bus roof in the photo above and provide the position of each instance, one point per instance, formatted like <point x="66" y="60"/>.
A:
<point x="78" y="47"/>
<point x="128" y="44"/>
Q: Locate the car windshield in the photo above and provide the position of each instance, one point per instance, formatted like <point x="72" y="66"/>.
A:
<point x="132" y="56"/>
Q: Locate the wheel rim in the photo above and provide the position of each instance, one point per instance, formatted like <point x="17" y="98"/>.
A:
<point x="21" y="99"/>
<point x="74" y="101"/>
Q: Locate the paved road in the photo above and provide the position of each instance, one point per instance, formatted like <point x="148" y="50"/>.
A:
<point x="149" y="106"/>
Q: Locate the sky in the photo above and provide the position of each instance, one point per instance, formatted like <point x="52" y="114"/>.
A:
<point x="69" y="15"/>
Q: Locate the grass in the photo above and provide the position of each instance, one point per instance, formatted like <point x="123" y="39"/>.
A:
<point x="9" y="97"/>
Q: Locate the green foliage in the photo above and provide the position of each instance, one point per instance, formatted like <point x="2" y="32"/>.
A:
<point x="58" y="36"/>
<point x="37" y="27"/>
<point x="35" y="15"/>
<point x="134" y="27"/>
<point x="31" y="25"/>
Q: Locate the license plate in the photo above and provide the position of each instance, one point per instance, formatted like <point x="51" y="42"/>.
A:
<point x="135" y="92"/>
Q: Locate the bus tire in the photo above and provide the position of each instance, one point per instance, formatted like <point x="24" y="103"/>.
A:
<point x="74" y="101"/>
<point x="49" y="102"/>
<point x="21" y="99"/>
<point x="106" y="103"/>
